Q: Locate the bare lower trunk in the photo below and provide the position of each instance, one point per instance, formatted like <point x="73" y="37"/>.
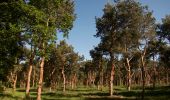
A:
<point x="102" y="81"/>
<point x="73" y="81"/>
<point x="50" y="89"/>
<point x="40" y="82"/>
<point x="111" y="80"/>
<point x="33" y="79"/>
<point x="90" y="78"/>
<point x="14" y="82"/>
<point x="64" y="80"/>
<point x="154" y="73"/>
<point x="72" y="84"/>
<point x="111" y="85"/>
<point x="143" y="77"/>
<point x="28" y="80"/>
<point x="129" y="74"/>
<point x="120" y="80"/>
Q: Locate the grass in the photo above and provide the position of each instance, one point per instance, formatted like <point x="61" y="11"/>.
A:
<point x="91" y="93"/>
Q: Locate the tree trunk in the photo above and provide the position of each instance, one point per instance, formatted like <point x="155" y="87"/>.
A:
<point x="154" y="73"/>
<point x="40" y="83"/>
<point x="64" y="80"/>
<point x="111" y="77"/>
<point x="102" y="80"/>
<point x="33" y="79"/>
<point x="129" y="74"/>
<point x="15" y="82"/>
<point x="100" y="83"/>
<point x="73" y="81"/>
<point x="72" y="84"/>
<point x="143" y="76"/>
<point x="90" y="78"/>
<point x="28" y="79"/>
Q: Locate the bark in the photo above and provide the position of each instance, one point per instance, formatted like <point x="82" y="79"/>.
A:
<point x="120" y="80"/>
<point x="50" y="89"/>
<point x="143" y="77"/>
<point x="154" y="73"/>
<point x="100" y="84"/>
<point x="40" y="83"/>
<point x="15" y="82"/>
<point x="111" y="80"/>
<point x="90" y="78"/>
<point x="148" y="78"/>
<point x="73" y="81"/>
<point x="64" y="80"/>
<point x="111" y="75"/>
<point x="99" y="81"/>
<point x="33" y="80"/>
<point x="129" y="74"/>
<point x="51" y="79"/>
<point x="13" y="79"/>
<point x="102" y="80"/>
<point x="72" y="84"/>
<point x="29" y="77"/>
<point x="93" y="78"/>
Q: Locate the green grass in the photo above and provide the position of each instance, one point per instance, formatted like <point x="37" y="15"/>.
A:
<point x="91" y="93"/>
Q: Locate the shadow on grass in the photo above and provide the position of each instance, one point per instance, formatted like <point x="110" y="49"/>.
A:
<point x="90" y="94"/>
<point x="151" y="88"/>
<point x="9" y="96"/>
<point x="23" y="90"/>
<point x="120" y="95"/>
<point x="159" y="92"/>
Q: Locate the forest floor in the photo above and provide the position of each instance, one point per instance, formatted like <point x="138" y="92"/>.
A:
<point x="91" y="93"/>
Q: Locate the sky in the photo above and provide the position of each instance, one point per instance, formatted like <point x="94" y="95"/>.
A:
<point x="81" y="37"/>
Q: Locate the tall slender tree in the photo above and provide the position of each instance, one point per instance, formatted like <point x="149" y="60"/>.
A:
<point x="147" y="32"/>
<point x="58" y="15"/>
<point x="106" y="30"/>
<point x="121" y="28"/>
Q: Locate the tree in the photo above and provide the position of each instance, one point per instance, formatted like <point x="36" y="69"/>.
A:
<point x="106" y="30"/>
<point x="163" y="33"/>
<point x="74" y="64"/>
<point x="96" y="54"/>
<point x="32" y="24"/>
<point x="120" y="29"/>
<point x="64" y="52"/>
<point x="52" y="68"/>
<point x="129" y="15"/>
<point x="62" y="61"/>
<point x="58" y="15"/>
<point x="11" y="38"/>
<point x="147" y="32"/>
<point x="153" y="49"/>
<point x="89" y="71"/>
